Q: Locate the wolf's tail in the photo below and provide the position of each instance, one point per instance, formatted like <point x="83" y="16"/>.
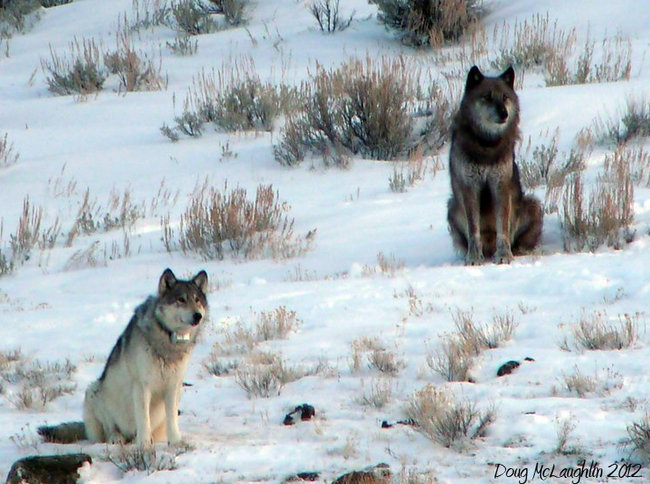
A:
<point x="65" y="433"/>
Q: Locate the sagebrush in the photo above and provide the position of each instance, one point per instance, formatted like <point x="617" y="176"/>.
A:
<point x="446" y="419"/>
<point x="233" y="98"/>
<point x="80" y="72"/>
<point x="429" y="22"/>
<point x="217" y="222"/>
<point x="605" y="215"/>
<point x="377" y="109"/>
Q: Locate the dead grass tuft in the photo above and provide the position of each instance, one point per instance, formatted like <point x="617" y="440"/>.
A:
<point x="8" y="156"/>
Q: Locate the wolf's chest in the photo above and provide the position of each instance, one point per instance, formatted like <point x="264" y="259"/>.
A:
<point x="479" y="174"/>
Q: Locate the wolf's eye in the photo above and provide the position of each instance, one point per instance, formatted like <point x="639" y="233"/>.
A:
<point x="196" y="300"/>
<point x="181" y="300"/>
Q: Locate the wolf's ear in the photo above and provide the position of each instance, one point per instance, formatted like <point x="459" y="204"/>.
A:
<point x="474" y="78"/>
<point x="201" y="281"/>
<point x="167" y="281"/>
<point x="509" y="77"/>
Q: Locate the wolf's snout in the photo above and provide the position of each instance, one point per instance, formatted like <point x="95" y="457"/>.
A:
<point x="503" y="113"/>
<point x="196" y="318"/>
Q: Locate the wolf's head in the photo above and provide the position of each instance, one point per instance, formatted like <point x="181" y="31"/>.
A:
<point x="490" y="105"/>
<point x="182" y="304"/>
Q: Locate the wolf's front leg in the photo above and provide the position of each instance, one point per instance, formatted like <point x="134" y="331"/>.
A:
<point x="503" y="208"/>
<point x="474" y="254"/>
<point x="141" y="406"/>
<point x="172" y="397"/>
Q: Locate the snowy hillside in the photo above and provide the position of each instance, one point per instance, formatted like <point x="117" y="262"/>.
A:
<point x="376" y="278"/>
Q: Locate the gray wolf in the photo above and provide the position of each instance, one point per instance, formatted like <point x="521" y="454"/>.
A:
<point x="488" y="213"/>
<point x="136" y="397"/>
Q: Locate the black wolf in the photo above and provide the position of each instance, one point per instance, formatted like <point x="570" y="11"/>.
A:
<point x="488" y="213"/>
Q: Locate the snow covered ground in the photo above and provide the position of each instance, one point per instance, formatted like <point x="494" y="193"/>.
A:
<point x="52" y="310"/>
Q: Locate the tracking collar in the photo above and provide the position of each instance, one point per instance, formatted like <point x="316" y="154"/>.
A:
<point x="174" y="337"/>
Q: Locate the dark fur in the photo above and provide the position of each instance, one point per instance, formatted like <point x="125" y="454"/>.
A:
<point x="488" y="213"/>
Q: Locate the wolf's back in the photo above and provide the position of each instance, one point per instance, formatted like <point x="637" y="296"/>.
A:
<point x="65" y="433"/>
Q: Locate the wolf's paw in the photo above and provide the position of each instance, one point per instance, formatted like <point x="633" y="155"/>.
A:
<point x="474" y="259"/>
<point x="503" y="257"/>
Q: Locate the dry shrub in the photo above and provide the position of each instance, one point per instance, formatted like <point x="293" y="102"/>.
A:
<point x="16" y="16"/>
<point x="7" y="154"/>
<point x="453" y="359"/>
<point x="217" y="221"/>
<point x="233" y="98"/>
<point x="445" y="419"/>
<point x="379" y="393"/>
<point x="595" y="332"/>
<point x="326" y="13"/>
<point x="537" y="42"/>
<point x="147" y="14"/>
<point x="183" y="45"/>
<point x="54" y="3"/>
<point x="407" y="174"/>
<point x="637" y="158"/>
<point x="599" y="384"/>
<point x="191" y="17"/>
<point x="376" y="109"/>
<point x="81" y="73"/>
<point x="136" y="70"/>
<point x="217" y="366"/>
<point x="479" y="338"/>
<point x="388" y="265"/>
<point x="234" y="11"/>
<point x="639" y="438"/>
<point x="265" y="374"/>
<point x="276" y="324"/>
<point x="139" y="458"/>
<point x="565" y="428"/>
<point x="29" y="234"/>
<point x="633" y="123"/>
<point x="615" y="64"/>
<point x="37" y="383"/>
<point x="7" y="265"/>
<point x="385" y="361"/>
<point x="415" y="476"/>
<point x="119" y="212"/>
<point x="361" y="346"/>
<point x="544" y="164"/>
<point x="429" y="22"/>
<point x="608" y="213"/>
